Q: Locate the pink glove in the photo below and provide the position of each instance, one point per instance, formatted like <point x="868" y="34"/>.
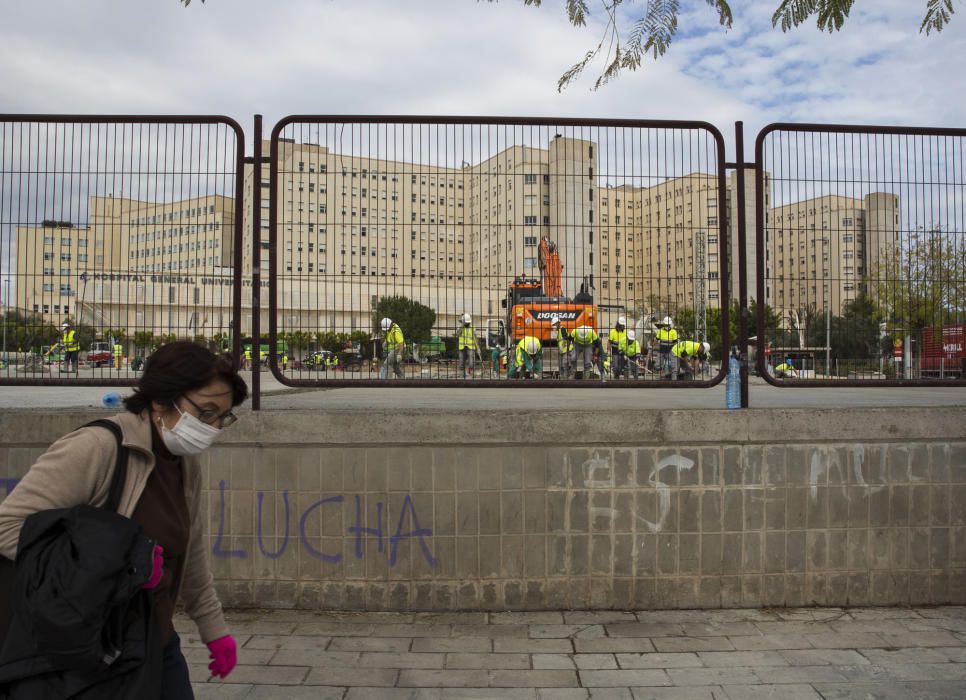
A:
<point x="224" y="656"/>
<point x="157" y="571"/>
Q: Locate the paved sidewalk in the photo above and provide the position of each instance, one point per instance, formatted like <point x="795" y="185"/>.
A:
<point x="694" y="655"/>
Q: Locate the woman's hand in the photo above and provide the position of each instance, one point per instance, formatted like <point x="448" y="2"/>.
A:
<point x="223" y="655"/>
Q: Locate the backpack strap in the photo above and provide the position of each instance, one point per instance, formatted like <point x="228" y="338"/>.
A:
<point x="120" y="465"/>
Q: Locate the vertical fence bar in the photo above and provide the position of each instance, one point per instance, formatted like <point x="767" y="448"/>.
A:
<point x="256" y="344"/>
<point x="742" y="258"/>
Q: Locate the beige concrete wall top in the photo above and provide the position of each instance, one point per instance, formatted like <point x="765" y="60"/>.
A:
<point x="566" y="428"/>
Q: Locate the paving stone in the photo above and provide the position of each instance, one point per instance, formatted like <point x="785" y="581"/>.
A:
<point x="491" y="631"/>
<point x="379" y="659"/>
<point x="727" y="629"/>
<point x="799" y="674"/>
<point x="692" y="644"/>
<point x="553" y="661"/>
<point x="921" y="639"/>
<point x="612" y="679"/>
<point x="770" y="641"/>
<point x="885" y="657"/>
<point x="270" y="675"/>
<point x="246" y="656"/>
<point x="535" y="646"/>
<point x="218" y="691"/>
<point x="712" y="676"/>
<point x="645" y="629"/>
<point x="612" y="646"/>
<point x="414" y="630"/>
<point x="289" y="692"/>
<point x="955" y="654"/>
<point x="316" y="659"/>
<point x="426" y="678"/>
<point x="659" y="660"/>
<point x="332" y="629"/>
<point x="448" y="618"/>
<point x="533" y="679"/>
<point x="454" y="644"/>
<point x="488" y="661"/>
<point x="732" y="659"/>
<point x="836" y="640"/>
<point x="527" y="618"/>
<point x="400" y="644"/>
<point x="595" y="662"/>
<point x="891" y="691"/>
<point x="771" y="692"/>
<point x="694" y="693"/>
<point x="274" y="641"/>
<point x="817" y="657"/>
<point x="567" y="631"/>
<point x="597" y="617"/>
<point x="371" y="678"/>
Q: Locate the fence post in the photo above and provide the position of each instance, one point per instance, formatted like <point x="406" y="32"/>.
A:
<point x="257" y="265"/>
<point x="742" y="263"/>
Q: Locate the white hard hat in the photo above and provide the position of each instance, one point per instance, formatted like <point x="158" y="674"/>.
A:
<point x="466" y="318"/>
<point x="386" y="324"/>
<point x="555" y="320"/>
<point x="532" y="346"/>
<point x="65" y="325"/>
<point x="621" y="321"/>
<point x="706" y="347"/>
<point x="666" y="321"/>
<point x="631" y="335"/>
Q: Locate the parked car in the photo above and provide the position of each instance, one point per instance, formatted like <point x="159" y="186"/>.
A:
<point x="101" y="354"/>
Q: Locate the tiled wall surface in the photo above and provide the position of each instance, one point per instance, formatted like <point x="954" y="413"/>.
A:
<point x="557" y="518"/>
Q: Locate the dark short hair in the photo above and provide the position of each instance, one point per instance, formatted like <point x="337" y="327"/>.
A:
<point x="176" y="368"/>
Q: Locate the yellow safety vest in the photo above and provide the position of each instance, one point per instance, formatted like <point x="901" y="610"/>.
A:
<point x="467" y="338"/>
<point x="69" y="340"/>
<point x="522" y="350"/>
<point x="617" y="339"/>
<point x="783" y="367"/>
<point x="247" y="355"/>
<point x="585" y="335"/>
<point x="118" y="350"/>
<point x="631" y="348"/>
<point x="666" y="337"/>
<point x="394" y="338"/>
<point x="565" y="343"/>
<point x="690" y="347"/>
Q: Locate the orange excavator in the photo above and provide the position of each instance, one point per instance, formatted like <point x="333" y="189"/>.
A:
<point x="531" y="303"/>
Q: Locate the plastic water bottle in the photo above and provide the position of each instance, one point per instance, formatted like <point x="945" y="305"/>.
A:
<point x="733" y="383"/>
<point x="112" y="400"/>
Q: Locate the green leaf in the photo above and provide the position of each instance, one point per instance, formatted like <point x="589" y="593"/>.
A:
<point x="938" y="15"/>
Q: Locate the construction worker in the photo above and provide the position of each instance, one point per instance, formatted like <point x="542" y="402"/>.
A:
<point x="615" y="340"/>
<point x="690" y="355"/>
<point x="528" y="359"/>
<point x="786" y="369"/>
<point x="118" y="354"/>
<point x="632" y="355"/>
<point x="666" y="337"/>
<point x="565" y="345"/>
<point x="247" y="358"/>
<point x="71" y="346"/>
<point x="467" y="348"/>
<point x="392" y="349"/>
<point x="586" y="342"/>
<point x="331" y="361"/>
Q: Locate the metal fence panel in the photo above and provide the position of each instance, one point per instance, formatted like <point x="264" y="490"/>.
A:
<point x="126" y="227"/>
<point x="510" y="221"/>
<point x="861" y="255"/>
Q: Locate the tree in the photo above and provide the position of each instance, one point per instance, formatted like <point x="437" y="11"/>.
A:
<point x="144" y="340"/>
<point x="415" y="319"/>
<point x="925" y="283"/>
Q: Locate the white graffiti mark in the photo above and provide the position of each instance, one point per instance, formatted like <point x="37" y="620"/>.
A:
<point x="858" y="458"/>
<point x="598" y="472"/>
<point x="818" y="468"/>
<point x="608" y="514"/>
<point x="663" y="490"/>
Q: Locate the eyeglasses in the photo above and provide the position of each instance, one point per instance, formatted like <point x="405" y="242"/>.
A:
<point x="206" y="415"/>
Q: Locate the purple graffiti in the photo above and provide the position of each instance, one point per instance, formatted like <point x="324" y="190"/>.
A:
<point x="359" y="531"/>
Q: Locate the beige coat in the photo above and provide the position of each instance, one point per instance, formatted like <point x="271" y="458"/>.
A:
<point x="77" y="469"/>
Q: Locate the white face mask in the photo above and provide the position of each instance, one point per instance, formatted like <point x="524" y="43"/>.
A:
<point x="189" y="436"/>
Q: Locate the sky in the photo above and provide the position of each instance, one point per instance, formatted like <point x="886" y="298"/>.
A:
<point x="462" y="57"/>
<point x="468" y="58"/>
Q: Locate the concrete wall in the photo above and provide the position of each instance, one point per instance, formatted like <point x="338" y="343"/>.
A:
<point x="489" y="510"/>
